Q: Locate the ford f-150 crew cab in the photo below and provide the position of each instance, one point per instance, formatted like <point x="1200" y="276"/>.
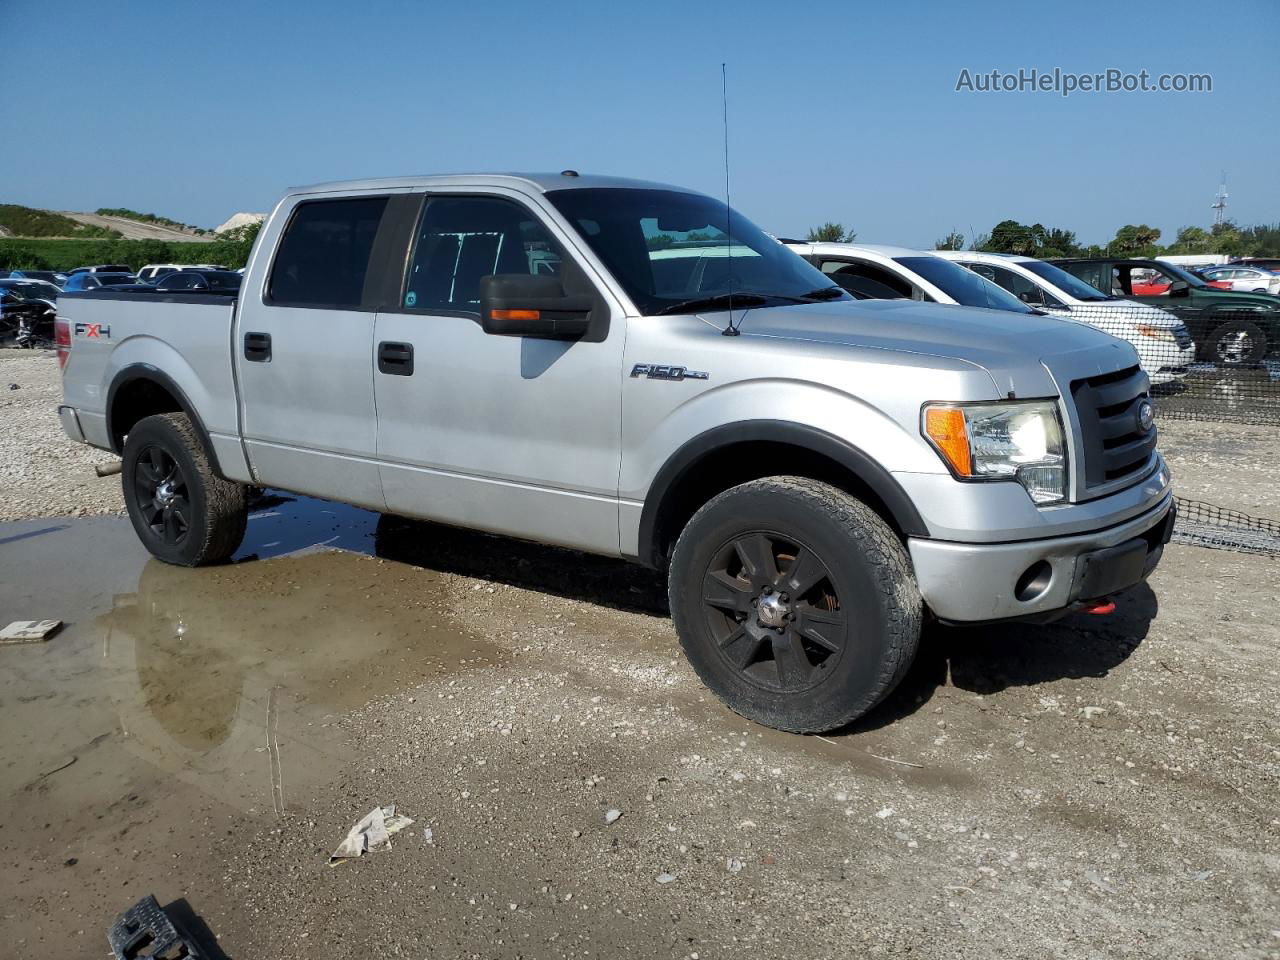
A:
<point x="517" y="354"/>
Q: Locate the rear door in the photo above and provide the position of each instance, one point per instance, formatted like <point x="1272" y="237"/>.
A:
<point x="304" y="352"/>
<point x="513" y="435"/>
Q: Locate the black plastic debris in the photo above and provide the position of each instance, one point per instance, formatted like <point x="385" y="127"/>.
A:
<point x="145" y="930"/>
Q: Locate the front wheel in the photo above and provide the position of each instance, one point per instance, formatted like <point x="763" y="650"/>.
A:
<point x="795" y="603"/>
<point x="182" y="511"/>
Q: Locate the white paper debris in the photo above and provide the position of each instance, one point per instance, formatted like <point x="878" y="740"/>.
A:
<point x="29" y="631"/>
<point x="374" y="830"/>
<point x="612" y="816"/>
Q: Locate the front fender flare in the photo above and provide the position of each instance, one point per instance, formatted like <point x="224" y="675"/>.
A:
<point x="858" y="463"/>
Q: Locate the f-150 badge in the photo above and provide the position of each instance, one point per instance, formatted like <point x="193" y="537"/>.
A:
<point x="656" y="371"/>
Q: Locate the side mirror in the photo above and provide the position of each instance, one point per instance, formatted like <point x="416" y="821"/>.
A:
<point x="525" y="305"/>
<point x="1179" y="288"/>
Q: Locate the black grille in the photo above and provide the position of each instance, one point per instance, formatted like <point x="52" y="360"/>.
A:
<point x="1115" y="444"/>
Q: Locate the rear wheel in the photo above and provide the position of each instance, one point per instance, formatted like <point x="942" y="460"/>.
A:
<point x="795" y="603"/>
<point x="1237" y="342"/>
<point x="183" y="512"/>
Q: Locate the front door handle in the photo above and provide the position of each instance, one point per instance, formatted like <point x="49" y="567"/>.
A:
<point x="257" y="347"/>
<point x="395" y="359"/>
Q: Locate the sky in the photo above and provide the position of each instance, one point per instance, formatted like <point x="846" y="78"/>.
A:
<point x="840" y="111"/>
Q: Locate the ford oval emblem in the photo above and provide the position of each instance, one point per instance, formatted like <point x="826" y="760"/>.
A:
<point x="1146" y="416"/>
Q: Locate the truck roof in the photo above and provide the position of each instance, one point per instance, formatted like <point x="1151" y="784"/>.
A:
<point x="543" y="182"/>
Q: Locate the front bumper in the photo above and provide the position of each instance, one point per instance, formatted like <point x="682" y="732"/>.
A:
<point x="976" y="582"/>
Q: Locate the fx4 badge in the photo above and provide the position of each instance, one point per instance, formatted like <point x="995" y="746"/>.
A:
<point x="94" y="331"/>
<point x="656" y="371"/>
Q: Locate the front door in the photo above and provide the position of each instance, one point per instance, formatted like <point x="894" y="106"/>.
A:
<point x="513" y="435"/>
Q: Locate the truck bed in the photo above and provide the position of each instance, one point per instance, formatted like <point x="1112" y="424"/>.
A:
<point x="185" y="338"/>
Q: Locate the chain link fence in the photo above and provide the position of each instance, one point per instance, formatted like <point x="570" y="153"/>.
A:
<point x="1204" y="364"/>
<point x="1208" y="525"/>
<point x="1212" y="365"/>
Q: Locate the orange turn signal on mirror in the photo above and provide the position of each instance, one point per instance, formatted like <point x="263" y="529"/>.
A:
<point x="945" y="426"/>
<point x="515" y="314"/>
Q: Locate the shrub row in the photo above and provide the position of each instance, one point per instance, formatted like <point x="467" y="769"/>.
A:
<point x="18" y="253"/>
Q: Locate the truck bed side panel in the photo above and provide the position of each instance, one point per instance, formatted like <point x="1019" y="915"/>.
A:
<point x="187" y="339"/>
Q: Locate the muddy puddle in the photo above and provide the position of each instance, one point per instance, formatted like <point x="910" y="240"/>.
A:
<point x="224" y="681"/>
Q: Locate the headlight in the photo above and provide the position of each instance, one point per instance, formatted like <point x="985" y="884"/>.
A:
<point x="1019" y="441"/>
<point x="1157" y="333"/>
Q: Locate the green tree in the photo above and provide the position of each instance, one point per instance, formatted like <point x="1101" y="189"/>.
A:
<point x="832" y="233"/>
<point x="1225" y="238"/>
<point x="1261" y="240"/>
<point x="1010" y="236"/>
<point x="952" y="241"/>
<point x="1190" y="240"/>
<point x="1135" y="240"/>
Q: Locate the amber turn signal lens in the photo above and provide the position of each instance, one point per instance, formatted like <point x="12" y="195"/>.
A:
<point x="946" y="428"/>
<point x="515" y="314"/>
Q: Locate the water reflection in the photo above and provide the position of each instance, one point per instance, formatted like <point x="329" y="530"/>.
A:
<point x="233" y="675"/>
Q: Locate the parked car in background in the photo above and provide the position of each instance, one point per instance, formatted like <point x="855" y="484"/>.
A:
<point x="102" y="268"/>
<point x="48" y="276"/>
<point x="879" y="272"/>
<point x="189" y="281"/>
<point x="1237" y="277"/>
<point x="78" y="282"/>
<point x="1228" y="326"/>
<point x="153" y="271"/>
<point x="1263" y="263"/>
<point x="1164" y="346"/>
<point x="27" y="311"/>
<point x="1200" y="272"/>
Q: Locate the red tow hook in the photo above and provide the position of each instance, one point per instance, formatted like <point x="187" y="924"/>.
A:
<point x="1099" y="607"/>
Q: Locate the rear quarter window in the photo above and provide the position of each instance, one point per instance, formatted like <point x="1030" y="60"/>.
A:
<point x="323" y="256"/>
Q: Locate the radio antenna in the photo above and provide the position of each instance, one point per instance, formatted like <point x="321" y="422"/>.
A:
<point x="730" y="330"/>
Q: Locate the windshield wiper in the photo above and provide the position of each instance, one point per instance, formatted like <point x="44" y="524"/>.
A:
<point x="823" y="293"/>
<point x="713" y="302"/>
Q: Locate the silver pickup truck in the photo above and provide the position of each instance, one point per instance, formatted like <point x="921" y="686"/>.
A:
<point x="633" y="369"/>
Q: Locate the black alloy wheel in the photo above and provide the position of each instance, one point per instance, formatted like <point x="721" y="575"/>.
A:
<point x="772" y="609"/>
<point x="162" y="496"/>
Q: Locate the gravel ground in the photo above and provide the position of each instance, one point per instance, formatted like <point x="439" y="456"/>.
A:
<point x="42" y="473"/>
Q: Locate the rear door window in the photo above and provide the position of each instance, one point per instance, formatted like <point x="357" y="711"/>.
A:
<point x="323" y="257"/>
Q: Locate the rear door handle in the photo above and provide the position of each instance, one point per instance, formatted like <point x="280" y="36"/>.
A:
<point x="395" y="359"/>
<point x="257" y="347"/>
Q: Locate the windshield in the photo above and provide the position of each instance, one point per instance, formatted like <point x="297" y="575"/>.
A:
<point x="1176" y="271"/>
<point x="669" y="248"/>
<point x="963" y="286"/>
<point x="1071" y="285"/>
<point x="112" y="279"/>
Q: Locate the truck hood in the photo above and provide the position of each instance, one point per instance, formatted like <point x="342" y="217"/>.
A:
<point x="1017" y="350"/>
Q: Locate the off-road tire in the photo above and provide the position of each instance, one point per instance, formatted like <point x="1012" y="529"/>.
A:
<point x="218" y="508"/>
<point x="868" y="570"/>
